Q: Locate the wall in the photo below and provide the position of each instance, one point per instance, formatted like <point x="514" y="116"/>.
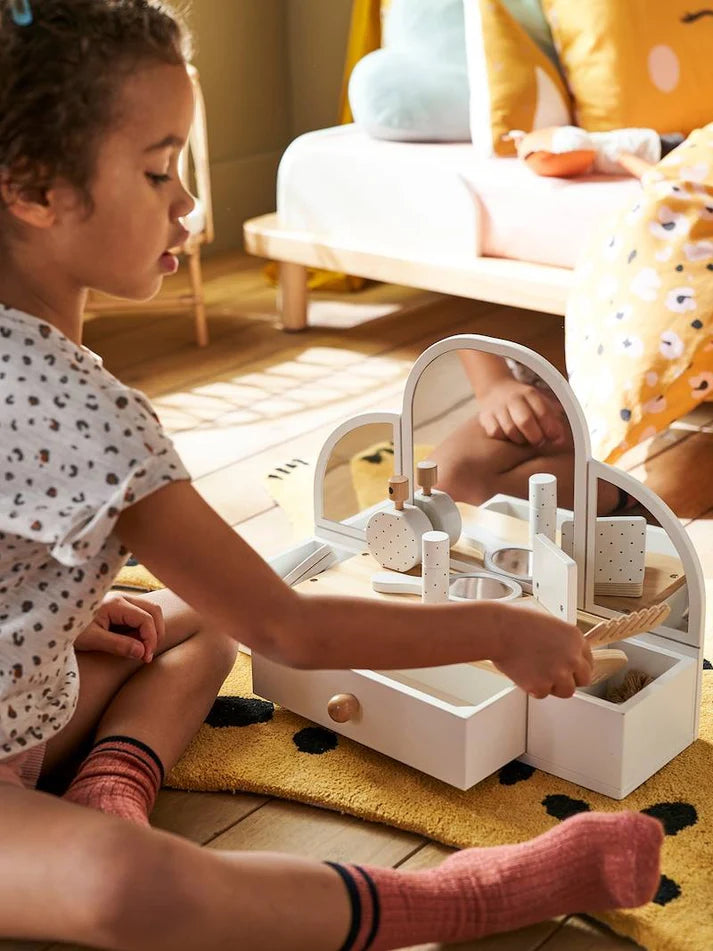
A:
<point x="241" y="57"/>
<point x="317" y="36"/>
<point x="270" y="70"/>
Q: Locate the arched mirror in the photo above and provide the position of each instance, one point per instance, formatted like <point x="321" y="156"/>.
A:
<point x="491" y="415"/>
<point x="356" y="462"/>
<point x="640" y="556"/>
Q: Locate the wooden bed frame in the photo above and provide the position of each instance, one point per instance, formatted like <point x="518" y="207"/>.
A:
<point x="538" y="287"/>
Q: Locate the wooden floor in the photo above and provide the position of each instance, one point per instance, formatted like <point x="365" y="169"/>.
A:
<point x="258" y="397"/>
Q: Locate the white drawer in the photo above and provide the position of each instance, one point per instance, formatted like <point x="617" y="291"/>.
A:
<point x="458" y="723"/>
<point x="613" y="748"/>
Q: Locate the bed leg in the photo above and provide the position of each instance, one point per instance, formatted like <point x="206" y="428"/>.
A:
<point x="292" y="297"/>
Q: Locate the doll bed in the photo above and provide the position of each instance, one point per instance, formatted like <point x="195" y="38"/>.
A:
<point x="437" y="199"/>
<point x="431" y="216"/>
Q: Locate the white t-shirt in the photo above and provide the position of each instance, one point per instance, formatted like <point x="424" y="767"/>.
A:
<point x="76" y="448"/>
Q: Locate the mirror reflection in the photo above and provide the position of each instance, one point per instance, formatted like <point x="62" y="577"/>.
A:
<point x="635" y="562"/>
<point x="358" y="471"/>
<point x="491" y="424"/>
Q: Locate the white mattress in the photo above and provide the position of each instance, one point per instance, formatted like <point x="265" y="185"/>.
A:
<point x="437" y="202"/>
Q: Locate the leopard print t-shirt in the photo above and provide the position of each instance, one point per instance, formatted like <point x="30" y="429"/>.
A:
<point x="76" y="448"/>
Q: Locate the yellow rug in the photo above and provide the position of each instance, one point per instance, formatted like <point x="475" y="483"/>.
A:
<point x="248" y="744"/>
<point x="251" y="745"/>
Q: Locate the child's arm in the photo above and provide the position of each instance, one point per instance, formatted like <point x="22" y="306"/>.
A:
<point x="507" y="408"/>
<point x="484" y="370"/>
<point x="186" y="544"/>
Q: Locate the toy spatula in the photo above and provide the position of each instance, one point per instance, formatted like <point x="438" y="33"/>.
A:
<point x="627" y="625"/>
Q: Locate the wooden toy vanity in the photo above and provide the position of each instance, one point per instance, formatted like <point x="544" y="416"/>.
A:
<point x="460" y="723"/>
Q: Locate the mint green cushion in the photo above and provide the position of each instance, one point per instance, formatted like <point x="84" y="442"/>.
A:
<point x="416" y="87"/>
<point x="394" y="96"/>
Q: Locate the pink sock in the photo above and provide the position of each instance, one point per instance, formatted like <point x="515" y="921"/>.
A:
<point x="121" y="776"/>
<point x="591" y="862"/>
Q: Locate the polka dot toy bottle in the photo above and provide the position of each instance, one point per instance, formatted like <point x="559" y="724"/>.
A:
<point x="543" y="506"/>
<point x="435" y="556"/>
<point x="394" y="537"/>
<point x="438" y="506"/>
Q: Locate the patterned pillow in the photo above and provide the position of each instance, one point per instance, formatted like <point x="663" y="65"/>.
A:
<point x="513" y="81"/>
<point x="636" y="62"/>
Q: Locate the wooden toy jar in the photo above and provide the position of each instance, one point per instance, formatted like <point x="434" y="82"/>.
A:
<point x="460" y="723"/>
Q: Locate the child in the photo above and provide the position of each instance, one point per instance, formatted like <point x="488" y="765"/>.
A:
<point x="95" y="105"/>
<point x="520" y="429"/>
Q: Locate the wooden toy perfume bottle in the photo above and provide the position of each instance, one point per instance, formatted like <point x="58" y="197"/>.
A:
<point x="439" y="507"/>
<point x="394" y="537"/>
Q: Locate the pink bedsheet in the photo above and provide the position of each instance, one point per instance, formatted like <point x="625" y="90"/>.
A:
<point x="437" y="201"/>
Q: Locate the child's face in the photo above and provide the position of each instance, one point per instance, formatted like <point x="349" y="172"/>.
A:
<point x="120" y="247"/>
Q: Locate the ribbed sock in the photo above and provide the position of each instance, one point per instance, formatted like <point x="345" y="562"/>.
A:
<point x="591" y="862"/>
<point x="120" y="776"/>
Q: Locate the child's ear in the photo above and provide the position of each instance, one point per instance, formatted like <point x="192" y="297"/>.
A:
<point x="33" y="207"/>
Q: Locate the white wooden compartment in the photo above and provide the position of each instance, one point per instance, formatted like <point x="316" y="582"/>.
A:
<point x="460" y="723"/>
<point x="613" y="748"/>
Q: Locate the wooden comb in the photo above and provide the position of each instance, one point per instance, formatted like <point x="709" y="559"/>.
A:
<point x="627" y="625"/>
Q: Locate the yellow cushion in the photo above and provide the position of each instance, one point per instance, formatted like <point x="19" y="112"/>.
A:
<point x="513" y="84"/>
<point x="364" y="37"/>
<point x="635" y="62"/>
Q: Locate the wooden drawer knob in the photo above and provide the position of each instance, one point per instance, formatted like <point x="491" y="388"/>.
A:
<point x="343" y="707"/>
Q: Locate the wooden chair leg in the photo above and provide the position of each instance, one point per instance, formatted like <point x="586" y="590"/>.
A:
<point x="292" y="297"/>
<point x="194" y="268"/>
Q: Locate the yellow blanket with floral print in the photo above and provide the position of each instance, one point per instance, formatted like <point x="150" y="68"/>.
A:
<point x="639" y="322"/>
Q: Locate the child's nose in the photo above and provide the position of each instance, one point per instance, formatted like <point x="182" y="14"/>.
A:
<point x="185" y="203"/>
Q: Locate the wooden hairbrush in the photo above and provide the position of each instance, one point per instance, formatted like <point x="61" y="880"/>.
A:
<point x="627" y="625"/>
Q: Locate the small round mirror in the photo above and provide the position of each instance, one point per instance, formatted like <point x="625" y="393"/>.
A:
<point x="483" y="587"/>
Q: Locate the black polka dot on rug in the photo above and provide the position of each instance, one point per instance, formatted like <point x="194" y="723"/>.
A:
<point x="668" y="891"/>
<point x="239" y="711"/>
<point x="562" y="807"/>
<point x="673" y="815"/>
<point x="132" y="562"/>
<point x="707" y="665"/>
<point x="314" y="740"/>
<point x="515" y="772"/>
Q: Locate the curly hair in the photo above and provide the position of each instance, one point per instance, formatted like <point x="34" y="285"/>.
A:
<point x="59" y="82"/>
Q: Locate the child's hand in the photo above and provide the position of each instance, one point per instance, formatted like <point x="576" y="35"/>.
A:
<point x="127" y="627"/>
<point x="543" y="655"/>
<point x="520" y="413"/>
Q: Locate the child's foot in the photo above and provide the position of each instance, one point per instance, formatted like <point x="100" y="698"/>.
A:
<point x="591" y="862"/>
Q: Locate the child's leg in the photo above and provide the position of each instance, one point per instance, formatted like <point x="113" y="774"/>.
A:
<point x="472" y="467"/>
<point x="161" y="705"/>
<point x="75" y="875"/>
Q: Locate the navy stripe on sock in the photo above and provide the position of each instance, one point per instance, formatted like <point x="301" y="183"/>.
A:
<point x="355" y="901"/>
<point x="145" y="763"/>
<point x="138" y="744"/>
<point x="376" y="907"/>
